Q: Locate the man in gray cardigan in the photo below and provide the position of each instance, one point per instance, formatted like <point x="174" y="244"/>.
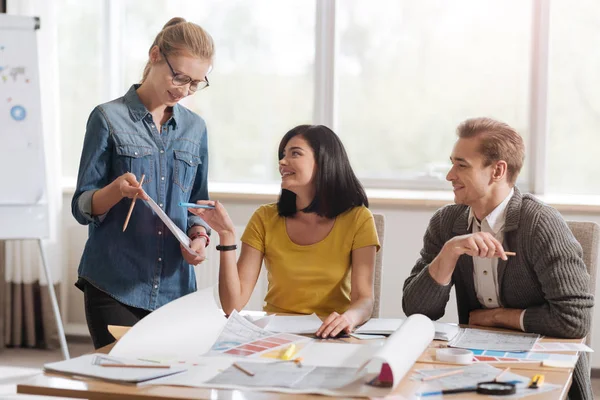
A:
<point x="542" y="289"/>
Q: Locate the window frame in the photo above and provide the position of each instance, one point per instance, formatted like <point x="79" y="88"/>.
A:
<point x="325" y="89"/>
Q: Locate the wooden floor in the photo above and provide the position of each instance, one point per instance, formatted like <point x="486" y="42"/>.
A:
<point x="35" y="358"/>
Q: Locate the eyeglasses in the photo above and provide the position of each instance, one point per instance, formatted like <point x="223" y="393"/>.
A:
<point x="182" y="79"/>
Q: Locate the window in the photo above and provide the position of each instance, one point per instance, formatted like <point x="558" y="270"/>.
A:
<point x="399" y="76"/>
<point x="80" y="74"/>
<point x="409" y="72"/>
<point x="574" y="98"/>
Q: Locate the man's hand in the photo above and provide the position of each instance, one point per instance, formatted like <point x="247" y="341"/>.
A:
<point x="199" y="246"/>
<point x="497" y="317"/>
<point x="483" y="317"/>
<point x="479" y="244"/>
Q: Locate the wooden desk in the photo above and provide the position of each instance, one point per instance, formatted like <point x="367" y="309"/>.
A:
<point x="56" y="385"/>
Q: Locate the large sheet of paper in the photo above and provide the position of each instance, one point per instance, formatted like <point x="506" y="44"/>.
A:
<point x="185" y="327"/>
<point x="331" y="368"/>
<point x="471" y="376"/>
<point x="385" y="326"/>
<point x="90" y="365"/>
<point x="290" y="323"/>
<point x="468" y="338"/>
<point x="179" y="234"/>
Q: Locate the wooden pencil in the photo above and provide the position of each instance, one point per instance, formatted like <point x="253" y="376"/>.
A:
<point x="505" y="370"/>
<point x="134" y="366"/>
<point x="132" y="204"/>
<point x="450" y="373"/>
<point x="508" y="253"/>
<point x="244" y="370"/>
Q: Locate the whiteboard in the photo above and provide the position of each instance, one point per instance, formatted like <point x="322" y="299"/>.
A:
<point x="23" y="205"/>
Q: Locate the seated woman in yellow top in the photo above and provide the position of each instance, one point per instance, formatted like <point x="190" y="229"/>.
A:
<point x="318" y="241"/>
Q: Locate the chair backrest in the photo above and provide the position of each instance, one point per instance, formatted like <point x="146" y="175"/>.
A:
<point x="380" y="227"/>
<point x="588" y="236"/>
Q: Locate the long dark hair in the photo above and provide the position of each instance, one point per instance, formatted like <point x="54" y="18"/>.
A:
<point x="337" y="189"/>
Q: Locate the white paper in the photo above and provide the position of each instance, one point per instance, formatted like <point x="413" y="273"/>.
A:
<point x="291" y="323"/>
<point x="405" y="346"/>
<point x="400" y="351"/>
<point x="385" y="326"/>
<point x="553" y="347"/>
<point x="471" y="376"/>
<point x="468" y="338"/>
<point x="89" y="366"/>
<point x="185" y="327"/>
<point x="179" y="234"/>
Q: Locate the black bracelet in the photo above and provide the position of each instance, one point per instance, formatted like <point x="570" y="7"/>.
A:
<point x="227" y="248"/>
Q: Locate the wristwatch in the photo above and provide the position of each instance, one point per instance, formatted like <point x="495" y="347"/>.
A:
<point x="227" y="248"/>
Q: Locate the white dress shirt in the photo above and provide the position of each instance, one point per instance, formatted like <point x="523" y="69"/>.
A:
<point x="485" y="270"/>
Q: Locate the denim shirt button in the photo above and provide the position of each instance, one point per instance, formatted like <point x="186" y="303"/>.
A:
<point x="155" y="286"/>
<point x="162" y="151"/>
<point x="161" y="204"/>
<point x="162" y="178"/>
<point x="160" y="232"/>
<point x="159" y="259"/>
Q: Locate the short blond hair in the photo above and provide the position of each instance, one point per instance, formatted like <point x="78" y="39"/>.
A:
<point x="499" y="141"/>
<point x="181" y="36"/>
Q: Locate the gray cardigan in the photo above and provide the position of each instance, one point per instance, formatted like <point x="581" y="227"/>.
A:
<point x="547" y="277"/>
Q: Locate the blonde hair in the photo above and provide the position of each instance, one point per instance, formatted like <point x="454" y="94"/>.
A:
<point x="499" y="141"/>
<point x="179" y="36"/>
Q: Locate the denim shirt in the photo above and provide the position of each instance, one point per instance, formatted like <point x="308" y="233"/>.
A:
<point x="143" y="266"/>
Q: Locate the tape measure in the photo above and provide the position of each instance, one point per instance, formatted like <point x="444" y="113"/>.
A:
<point x="455" y="356"/>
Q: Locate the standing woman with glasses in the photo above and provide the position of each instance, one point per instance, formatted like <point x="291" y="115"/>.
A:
<point x="144" y="136"/>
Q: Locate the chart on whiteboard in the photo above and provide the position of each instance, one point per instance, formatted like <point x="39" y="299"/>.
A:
<point x="22" y="154"/>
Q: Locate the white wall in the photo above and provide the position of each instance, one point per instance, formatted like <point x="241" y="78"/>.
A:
<point x="404" y="228"/>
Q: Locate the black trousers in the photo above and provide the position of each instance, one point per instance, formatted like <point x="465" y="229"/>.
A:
<point x="102" y="310"/>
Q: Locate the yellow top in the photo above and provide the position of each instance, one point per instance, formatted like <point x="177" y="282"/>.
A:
<point x="313" y="278"/>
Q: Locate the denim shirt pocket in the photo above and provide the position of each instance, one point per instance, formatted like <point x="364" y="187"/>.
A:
<point x="136" y="159"/>
<point x="186" y="165"/>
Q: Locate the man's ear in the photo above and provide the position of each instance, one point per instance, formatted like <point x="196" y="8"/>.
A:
<point x="500" y="171"/>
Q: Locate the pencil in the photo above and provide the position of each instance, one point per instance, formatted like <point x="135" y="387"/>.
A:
<point x="450" y="373"/>
<point x="508" y="253"/>
<point x="501" y="373"/>
<point x="132" y="204"/>
<point x="244" y="370"/>
<point x="134" y="366"/>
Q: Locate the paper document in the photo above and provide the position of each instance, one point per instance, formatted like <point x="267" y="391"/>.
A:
<point x="90" y="365"/>
<point x="186" y="327"/>
<point x="559" y="346"/>
<point x="241" y="338"/>
<point x="471" y="376"/>
<point x="468" y="338"/>
<point x="286" y="376"/>
<point x="385" y="326"/>
<point x="495" y="356"/>
<point x="290" y="323"/>
<point x="334" y="369"/>
<point x="179" y="234"/>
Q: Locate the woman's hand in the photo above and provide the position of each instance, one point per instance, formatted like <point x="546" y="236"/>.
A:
<point x="198" y="245"/>
<point x="334" y="324"/>
<point x="129" y="186"/>
<point x="217" y="218"/>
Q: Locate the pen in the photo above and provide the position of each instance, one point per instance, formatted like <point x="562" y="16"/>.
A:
<point x="289" y="352"/>
<point x="193" y="205"/>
